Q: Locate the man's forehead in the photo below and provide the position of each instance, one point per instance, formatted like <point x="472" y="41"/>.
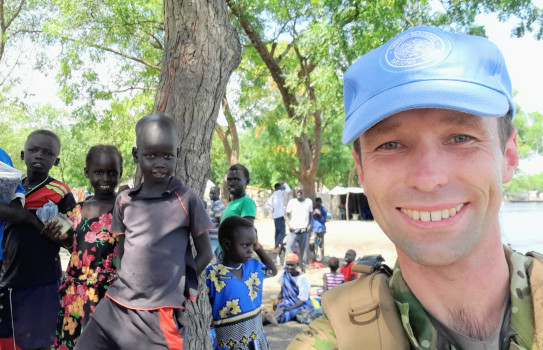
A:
<point x="407" y="118"/>
<point x="234" y="173"/>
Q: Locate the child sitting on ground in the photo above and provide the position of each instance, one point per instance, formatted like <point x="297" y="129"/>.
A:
<point x="332" y="278"/>
<point x="156" y="271"/>
<point x="294" y="294"/>
<point x="93" y="247"/>
<point x="235" y="286"/>
<point x="346" y="268"/>
<point x="31" y="271"/>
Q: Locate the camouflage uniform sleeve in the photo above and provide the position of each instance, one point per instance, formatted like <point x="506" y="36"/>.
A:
<point x="318" y="335"/>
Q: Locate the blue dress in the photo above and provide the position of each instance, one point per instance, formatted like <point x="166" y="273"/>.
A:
<point x="235" y="305"/>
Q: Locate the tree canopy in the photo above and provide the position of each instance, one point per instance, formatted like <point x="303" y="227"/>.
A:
<point x="285" y="109"/>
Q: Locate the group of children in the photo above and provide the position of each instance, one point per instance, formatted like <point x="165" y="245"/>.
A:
<point x="131" y="258"/>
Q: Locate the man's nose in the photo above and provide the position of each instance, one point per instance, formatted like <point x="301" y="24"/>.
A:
<point x="428" y="168"/>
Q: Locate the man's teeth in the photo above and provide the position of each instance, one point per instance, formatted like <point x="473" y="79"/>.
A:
<point x="435" y="215"/>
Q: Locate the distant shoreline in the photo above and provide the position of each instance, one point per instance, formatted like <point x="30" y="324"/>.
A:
<point x="523" y="200"/>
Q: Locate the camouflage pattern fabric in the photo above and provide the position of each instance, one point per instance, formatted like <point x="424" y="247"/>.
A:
<point x="418" y="327"/>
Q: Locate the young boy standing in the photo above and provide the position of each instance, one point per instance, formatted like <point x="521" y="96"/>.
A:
<point x="156" y="269"/>
<point x="30" y="271"/>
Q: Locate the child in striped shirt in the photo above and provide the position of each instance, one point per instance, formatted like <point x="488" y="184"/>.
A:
<point x="332" y="278"/>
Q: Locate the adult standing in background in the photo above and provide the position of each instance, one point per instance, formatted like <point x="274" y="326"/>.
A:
<point x="214" y="210"/>
<point x="275" y="203"/>
<point x="237" y="179"/>
<point x="298" y="218"/>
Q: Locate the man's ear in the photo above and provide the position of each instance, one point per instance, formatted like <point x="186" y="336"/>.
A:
<point x="22" y="155"/>
<point x="510" y="158"/>
<point x="135" y="154"/>
<point x="359" y="169"/>
<point x="57" y="162"/>
<point x="86" y="172"/>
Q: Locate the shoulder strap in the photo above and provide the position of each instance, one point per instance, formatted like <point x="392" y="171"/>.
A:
<point x="364" y="315"/>
<point x="536" y="286"/>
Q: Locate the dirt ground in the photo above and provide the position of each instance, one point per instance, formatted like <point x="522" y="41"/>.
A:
<point x="365" y="237"/>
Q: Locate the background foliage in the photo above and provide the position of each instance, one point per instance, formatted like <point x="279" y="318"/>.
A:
<point x="106" y="58"/>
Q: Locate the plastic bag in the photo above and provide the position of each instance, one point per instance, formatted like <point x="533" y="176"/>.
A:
<point x="47" y="212"/>
<point x="9" y="179"/>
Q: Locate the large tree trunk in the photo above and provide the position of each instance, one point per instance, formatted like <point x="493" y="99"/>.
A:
<point x="230" y="141"/>
<point x="201" y="50"/>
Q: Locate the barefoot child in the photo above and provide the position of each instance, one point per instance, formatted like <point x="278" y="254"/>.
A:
<point x="30" y="273"/>
<point x="156" y="269"/>
<point x="93" y="262"/>
<point x="235" y="286"/>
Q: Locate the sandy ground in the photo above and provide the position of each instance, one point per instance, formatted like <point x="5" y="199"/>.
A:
<point x="365" y="237"/>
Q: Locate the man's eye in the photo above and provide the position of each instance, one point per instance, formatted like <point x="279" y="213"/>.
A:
<point x="99" y="172"/>
<point x="461" y="138"/>
<point x="168" y="156"/>
<point x="149" y="156"/>
<point x="113" y="173"/>
<point x="389" y="145"/>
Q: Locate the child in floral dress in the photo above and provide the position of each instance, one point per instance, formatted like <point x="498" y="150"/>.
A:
<point x="92" y="264"/>
<point x="235" y="287"/>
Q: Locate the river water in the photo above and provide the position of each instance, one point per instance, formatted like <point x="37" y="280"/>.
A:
<point x="522" y="225"/>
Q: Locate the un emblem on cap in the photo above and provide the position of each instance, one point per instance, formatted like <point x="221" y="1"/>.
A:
<point x="416" y="49"/>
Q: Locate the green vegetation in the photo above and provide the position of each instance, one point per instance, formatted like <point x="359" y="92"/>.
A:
<point x="287" y="92"/>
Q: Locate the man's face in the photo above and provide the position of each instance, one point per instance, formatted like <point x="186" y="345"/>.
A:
<point x="156" y="153"/>
<point x="236" y="182"/>
<point x="299" y="193"/>
<point x="433" y="178"/>
<point x="40" y="153"/>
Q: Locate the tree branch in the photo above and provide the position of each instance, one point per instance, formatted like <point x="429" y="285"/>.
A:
<point x="289" y="99"/>
<point x="116" y="52"/>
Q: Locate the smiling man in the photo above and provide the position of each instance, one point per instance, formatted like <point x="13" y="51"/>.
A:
<point x="430" y="116"/>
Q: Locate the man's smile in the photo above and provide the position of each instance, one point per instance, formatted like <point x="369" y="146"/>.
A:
<point x="434" y="215"/>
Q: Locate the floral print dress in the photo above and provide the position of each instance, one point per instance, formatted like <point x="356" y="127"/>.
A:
<point x="235" y="305"/>
<point x="91" y="270"/>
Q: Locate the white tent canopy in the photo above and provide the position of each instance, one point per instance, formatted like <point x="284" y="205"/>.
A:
<point x="340" y="190"/>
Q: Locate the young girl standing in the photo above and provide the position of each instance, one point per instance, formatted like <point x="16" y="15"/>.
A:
<point x="235" y="286"/>
<point x="92" y="264"/>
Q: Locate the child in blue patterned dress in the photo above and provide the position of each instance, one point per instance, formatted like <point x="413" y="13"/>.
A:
<point x="235" y="286"/>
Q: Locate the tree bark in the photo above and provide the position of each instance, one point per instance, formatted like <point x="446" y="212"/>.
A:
<point x="230" y="141"/>
<point x="201" y="50"/>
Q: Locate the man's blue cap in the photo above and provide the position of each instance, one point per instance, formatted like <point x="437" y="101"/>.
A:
<point x="426" y="67"/>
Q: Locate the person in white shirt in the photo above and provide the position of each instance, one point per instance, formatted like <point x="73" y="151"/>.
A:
<point x="275" y="203"/>
<point x="298" y="219"/>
